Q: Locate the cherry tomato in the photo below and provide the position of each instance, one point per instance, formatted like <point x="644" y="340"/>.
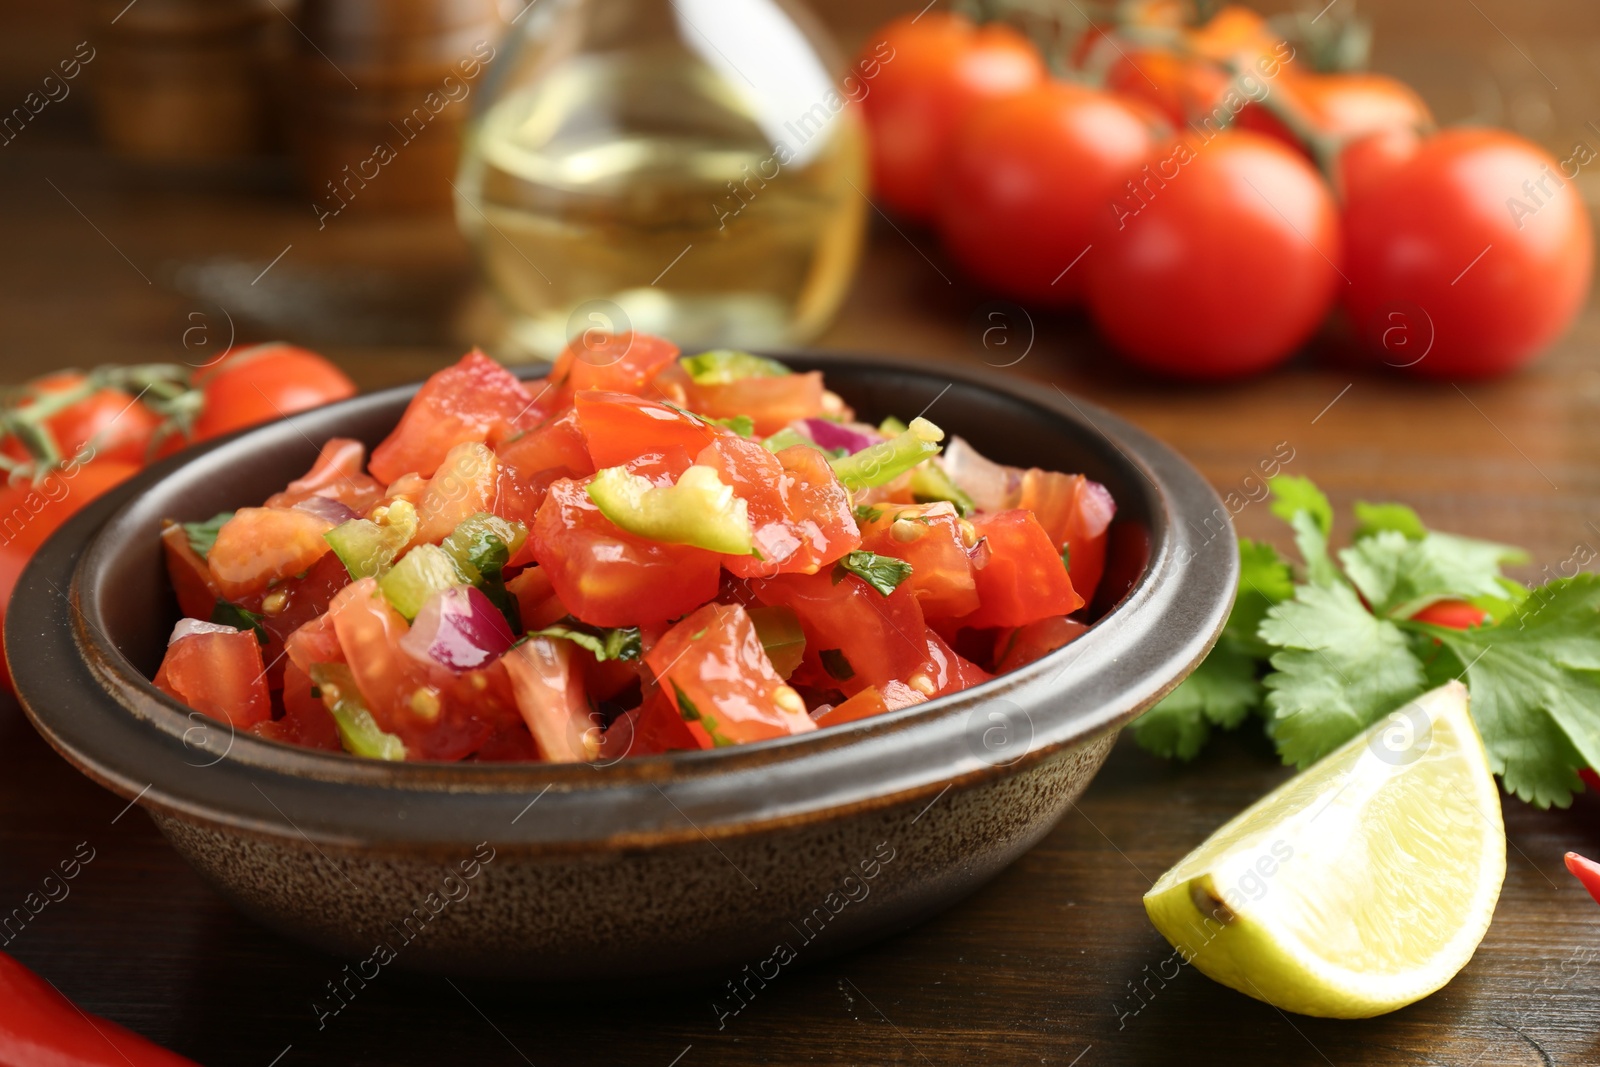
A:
<point x="714" y="670"/>
<point x="1467" y="258"/>
<point x="118" y="426"/>
<point x="608" y="577"/>
<point x="1225" y="262"/>
<point x="1029" y="178"/>
<point x="1456" y="614"/>
<point x="31" y="512"/>
<point x="263" y="383"/>
<point x="219" y="674"/>
<point x="475" y="399"/>
<point x="932" y="71"/>
<point x="1023" y="579"/>
<point x="1353" y="105"/>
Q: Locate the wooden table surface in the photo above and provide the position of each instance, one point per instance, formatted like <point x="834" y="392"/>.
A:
<point x="102" y="261"/>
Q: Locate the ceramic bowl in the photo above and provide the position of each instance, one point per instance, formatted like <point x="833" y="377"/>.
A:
<point x="698" y="863"/>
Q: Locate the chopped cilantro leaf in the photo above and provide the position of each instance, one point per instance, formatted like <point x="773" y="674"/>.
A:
<point x="203" y="535"/>
<point x="619" y="644"/>
<point x="836" y="664"/>
<point x="883" y="573"/>
<point x="226" y="613"/>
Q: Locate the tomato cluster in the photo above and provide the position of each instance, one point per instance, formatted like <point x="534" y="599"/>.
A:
<point x="67" y="438"/>
<point x="646" y="553"/>
<point x="1170" y="185"/>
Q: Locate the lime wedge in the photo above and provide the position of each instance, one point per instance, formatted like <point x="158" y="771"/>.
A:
<point x="1360" y="886"/>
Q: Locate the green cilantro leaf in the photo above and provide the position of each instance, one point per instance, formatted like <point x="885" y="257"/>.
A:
<point x="1265" y="579"/>
<point x="1222" y="691"/>
<point x="203" y="535"/>
<point x="836" y="664"/>
<point x="226" y="613"/>
<point x="1340" y="670"/>
<point x="1535" y="683"/>
<point x="883" y="573"/>
<point x="1373" y="519"/>
<point x="1304" y="507"/>
<point x="1400" y="576"/>
<point x="621" y="644"/>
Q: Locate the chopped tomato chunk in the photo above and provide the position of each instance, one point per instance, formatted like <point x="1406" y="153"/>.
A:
<point x="464" y="485"/>
<point x="550" y="696"/>
<point x="1023" y="579"/>
<point x="1020" y="647"/>
<point x="259" y="546"/>
<point x="1076" y="513"/>
<point x="771" y="403"/>
<point x="930" y="538"/>
<point x="854" y="634"/>
<point x="863" y="705"/>
<point x="617" y="427"/>
<point x="306" y="721"/>
<point x="474" y="400"/>
<point x="191" y="578"/>
<point x="557" y="445"/>
<point x="219" y="674"/>
<point x="714" y="670"/>
<point x="608" y="577"/>
<point x="338" y="474"/>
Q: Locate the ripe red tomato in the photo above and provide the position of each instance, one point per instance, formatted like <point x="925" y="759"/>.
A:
<point x="608" y="577"/>
<point x="119" y="426"/>
<point x="1224" y="265"/>
<point x="1349" y="106"/>
<point x="474" y="399"/>
<point x="30" y="513"/>
<point x="1475" y="246"/>
<point x="265" y="382"/>
<point x="933" y="69"/>
<point x="1029" y="178"/>
<point x="1456" y="614"/>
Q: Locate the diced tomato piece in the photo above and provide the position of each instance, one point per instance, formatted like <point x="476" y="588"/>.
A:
<point x="799" y="511"/>
<point x="464" y="485"/>
<point x="952" y="672"/>
<point x="929" y="537"/>
<point x="437" y="713"/>
<point x="714" y="670"/>
<point x="259" y="546"/>
<point x="863" y="705"/>
<point x="618" y="362"/>
<point x="871" y="639"/>
<point x="772" y="403"/>
<point x="1076" y="513"/>
<point x="306" y="720"/>
<point x="557" y="445"/>
<point x="510" y="742"/>
<point x="474" y="400"/>
<point x="617" y="427"/>
<point x="537" y="602"/>
<point x="656" y="727"/>
<point x="315" y="642"/>
<point x="608" y="577"/>
<point x="220" y="675"/>
<point x="1020" y="647"/>
<point x="292" y="603"/>
<point x="550" y="696"/>
<point x="191" y="578"/>
<point x="339" y="474"/>
<point x="1024" y="579"/>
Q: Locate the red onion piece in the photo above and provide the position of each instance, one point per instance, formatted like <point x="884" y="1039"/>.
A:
<point x="327" y="509"/>
<point x="191" y="627"/>
<point x="459" y="629"/>
<point x="832" y="435"/>
<point x="992" y="486"/>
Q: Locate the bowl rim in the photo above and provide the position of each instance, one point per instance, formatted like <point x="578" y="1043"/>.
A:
<point x="107" y="719"/>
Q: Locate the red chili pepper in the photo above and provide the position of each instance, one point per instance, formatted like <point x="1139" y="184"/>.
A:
<point x="41" y="1028"/>
<point x="1586" y="871"/>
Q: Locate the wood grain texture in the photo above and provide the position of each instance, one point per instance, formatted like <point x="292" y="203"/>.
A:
<point x="1052" y="963"/>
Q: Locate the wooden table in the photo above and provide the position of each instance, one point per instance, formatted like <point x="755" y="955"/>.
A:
<point x="101" y="261"/>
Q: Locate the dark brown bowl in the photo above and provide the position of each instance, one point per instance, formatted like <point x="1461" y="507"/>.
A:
<point x="691" y="863"/>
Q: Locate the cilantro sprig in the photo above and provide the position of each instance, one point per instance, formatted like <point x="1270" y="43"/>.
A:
<point x="1323" y="650"/>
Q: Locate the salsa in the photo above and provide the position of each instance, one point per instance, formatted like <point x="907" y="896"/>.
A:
<point x="648" y="553"/>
